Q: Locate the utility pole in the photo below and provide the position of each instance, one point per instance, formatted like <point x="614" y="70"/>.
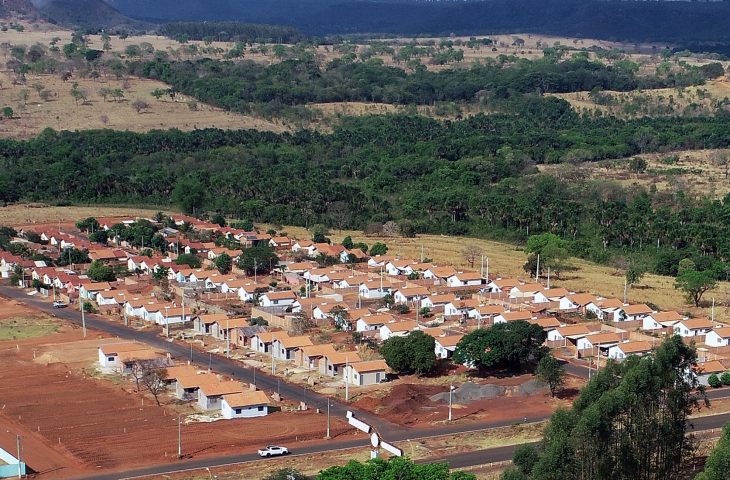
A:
<point x="228" y="340"/>
<point x="537" y="269"/>
<point x="167" y="322"/>
<point x="451" y="397"/>
<point x="626" y="286"/>
<point x="347" y="379"/>
<point x="273" y="365"/>
<point x="548" y="285"/>
<point x="179" y="437"/>
<point x="713" y="309"/>
<point x="487" y="273"/>
<point x="20" y="468"/>
<point x="328" y="419"/>
<point x="124" y="309"/>
<point x="83" y="316"/>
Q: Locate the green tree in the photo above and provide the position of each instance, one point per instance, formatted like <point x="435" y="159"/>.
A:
<point x="503" y="345"/>
<point x="394" y="468"/>
<point x="378" y="248"/>
<point x="348" y="243"/>
<point x="714" y="381"/>
<point x="525" y="457"/>
<point x="286" y="474"/>
<point x="638" y="165"/>
<point x="188" y="194"/>
<point x="717" y="465"/>
<point x="694" y="284"/>
<point x="319" y="233"/>
<point x="550" y="371"/>
<point x="89" y="224"/>
<point x="99" y="236"/>
<point x="8" y="112"/>
<point x="725" y="378"/>
<point x="188" y="259"/>
<point x="223" y="263"/>
<point x="99" y="272"/>
<point x="71" y="256"/>
<point x="259" y="260"/>
<point x="414" y="353"/>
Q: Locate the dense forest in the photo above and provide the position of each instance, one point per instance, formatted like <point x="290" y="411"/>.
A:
<point x="232" y="32"/>
<point x="298" y="81"/>
<point x="475" y="176"/>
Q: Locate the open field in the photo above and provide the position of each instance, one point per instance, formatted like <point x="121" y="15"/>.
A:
<point x="62" y="112"/>
<point x="78" y="421"/>
<point x="17" y="323"/>
<point x="698" y="173"/>
<point x="27" y="214"/>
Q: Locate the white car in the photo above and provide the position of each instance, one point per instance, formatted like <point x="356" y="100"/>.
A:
<point x="272" y="451"/>
<point x="59" y="304"/>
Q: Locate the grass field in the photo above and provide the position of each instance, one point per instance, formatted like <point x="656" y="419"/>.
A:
<point x="18" y="328"/>
<point x="26" y="214"/>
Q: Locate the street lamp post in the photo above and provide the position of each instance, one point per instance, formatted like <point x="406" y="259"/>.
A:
<point x="328" y="419"/>
<point x="167" y="322"/>
<point x="179" y="436"/>
<point x="83" y="315"/>
<point x="451" y="397"/>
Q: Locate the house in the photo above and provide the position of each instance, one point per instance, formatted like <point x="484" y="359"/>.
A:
<point x="284" y="299"/>
<point x="280" y="243"/>
<point x="693" y="327"/>
<point x="606" y="309"/>
<point x="245" y="405"/>
<point x="526" y="291"/>
<point x="304" y="246"/>
<point x="623" y="350"/>
<point x="210" y="395"/>
<point x="505" y="317"/>
<point x="246" y="290"/>
<point x="445" y="346"/>
<point x="187" y="385"/>
<point x="264" y="341"/>
<point x="719" y="337"/>
<point x="397" y="329"/>
<point x="602" y="341"/>
<point x="286" y="348"/>
<point x="410" y="295"/>
<point x="204" y="323"/>
<point x="366" y="373"/>
<point x="437" y="301"/>
<point x="221" y="329"/>
<point x="440" y="273"/>
<point x="461" y="307"/>
<point x="704" y="370"/>
<point x="546" y="323"/>
<point x="347" y="256"/>
<point x="485" y="312"/>
<point x="578" y="301"/>
<point x="379" y="261"/>
<point x="464" y="279"/>
<point x="242" y="335"/>
<point x="570" y="332"/>
<point x="659" y="320"/>
<point x="118" y="357"/>
<point x="333" y="364"/>
<point x="310" y="356"/>
<point x="636" y="312"/>
<point x="375" y="289"/>
<point x="324" y="310"/>
<point x="502" y="285"/>
<point x="372" y="321"/>
<point x="558" y="295"/>
<point x="89" y="290"/>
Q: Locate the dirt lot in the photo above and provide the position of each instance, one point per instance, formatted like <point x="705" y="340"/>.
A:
<point x="73" y="420"/>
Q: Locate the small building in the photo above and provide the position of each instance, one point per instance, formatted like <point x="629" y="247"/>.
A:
<point x="445" y="346"/>
<point x="397" y="329"/>
<point x="204" y="323"/>
<point x="505" y="317"/>
<point x="372" y="321"/>
<point x="263" y="342"/>
<point x="704" y="370"/>
<point x="187" y="385"/>
<point x="693" y="327"/>
<point x="636" y="312"/>
<point x="118" y="357"/>
<point x="283" y="299"/>
<point x="570" y="332"/>
<point x="719" y="337"/>
<point x="659" y="320"/>
<point x="310" y="356"/>
<point x="333" y="364"/>
<point x="245" y="405"/>
<point x="601" y="341"/>
<point x="286" y="347"/>
<point x="366" y="373"/>
<point x="210" y="395"/>
<point x="623" y="350"/>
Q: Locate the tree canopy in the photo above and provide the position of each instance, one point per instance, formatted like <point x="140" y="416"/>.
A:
<point x="504" y="345"/>
<point x="414" y="353"/>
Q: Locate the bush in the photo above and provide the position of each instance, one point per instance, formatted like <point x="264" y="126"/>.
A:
<point x="714" y="381"/>
<point x="725" y="378"/>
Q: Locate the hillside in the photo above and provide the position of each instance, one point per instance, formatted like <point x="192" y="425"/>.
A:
<point x="634" y="21"/>
<point x="86" y="13"/>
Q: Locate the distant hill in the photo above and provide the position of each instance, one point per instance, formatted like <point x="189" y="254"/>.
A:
<point x="679" y="22"/>
<point x="86" y="14"/>
<point x="23" y="7"/>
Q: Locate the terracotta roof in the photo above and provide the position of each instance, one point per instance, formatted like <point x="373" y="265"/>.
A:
<point x="449" y="341"/>
<point x="442" y="299"/>
<point x="546" y="322"/>
<point x="433" y="331"/>
<point x="268" y="337"/>
<point x="466" y="276"/>
<point x="110" y="348"/>
<point x="603" y="338"/>
<point x="696" y="323"/>
<point x="520" y="315"/>
<point x="414" y="291"/>
<point x="285" y="295"/>
<point x="443" y="272"/>
<point x="295" y="342"/>
<point x="610" y="303"/>
<point x="377" y="319"/>
<point x="572" y="330"/>
<point x="637" y="309"/>
<point x="556" y="293"/>
<point x="246" y="399"/>
<point x="405" y="326"/>
<point x="670" y="316"/>
<point x="97" y="286"/>
<point x="490" y="309"/>
<point x="221" y="388"/>
<point x="196" y="380"/>
<point x="231" y="323"/>
<point x="212" y="318"/>
<point x="714" y="366"/>
<point x="340" y="358"/>
<point x="529" y="287"/>
<point x="635" y="347"/>
<point x="369" y="366"/>
<point x="583" y="298"/>
<point x="318" y="350"/>
<point x="179" y="371"/>
<point x="506" y="282"/>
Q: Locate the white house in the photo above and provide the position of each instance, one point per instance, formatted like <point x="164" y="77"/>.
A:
<point x="263" y="341"/>
<point x="693" y="327"/>
<point x="502" y="285"/>
<point x="464" y="279"/>
<point x="659" y="320"/>
<point x="445" y="346"/>
<point x="704" y="370"/>
<point x="283" y="299"/>
<point x="460" y="307"/>
<point x="304" y="246"/>
<point x="244" y="289"/>
<point x="398" y="329"/>
<point x="636" y="312"/>
<point x="570" y="332"/>
<point x="719" y="337"/>
<point x="245" y="405"/>
<point x="623" y="350"/>
<point x="286" y="347"/>
<point x="505" y="317"/>
<point x="333" y="364"/>
<point x="598" y="340"/>
<point x="118" y="357"/>
<point x="365" y="373"/>
<point x="210" y="395"/>
<point x="372" y="322"/>
<point x="606" y="309"/>
<point x="375" y="289"/>
<point x="437" y="301"/>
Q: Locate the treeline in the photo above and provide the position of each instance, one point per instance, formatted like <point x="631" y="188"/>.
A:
<point x="297" y="81"/>
<point x="232" y="32"/>
<point x="475" y="176"/>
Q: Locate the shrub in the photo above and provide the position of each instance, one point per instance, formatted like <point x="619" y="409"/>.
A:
<point x="714" y="381"/>
<point x="725" y="378"/>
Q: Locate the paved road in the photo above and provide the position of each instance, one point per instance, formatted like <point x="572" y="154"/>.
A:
<point x="391" y="432"/>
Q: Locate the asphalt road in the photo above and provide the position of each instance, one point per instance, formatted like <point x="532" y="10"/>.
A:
<point x="390" y="431"/>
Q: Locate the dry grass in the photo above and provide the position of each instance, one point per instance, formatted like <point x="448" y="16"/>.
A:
<point x="63" y="113"/>
<point x="25" y="214"/>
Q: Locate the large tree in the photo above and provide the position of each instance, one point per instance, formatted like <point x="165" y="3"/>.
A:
<point x="259" y="260"/>
<point x="414" y="353"/>
<point x="717" y="466"/>
<point x="629" y="422"/>
<point x="394" y="468"/>
<point x="504" y="345"/>
<point x="550" y="371"/>
<point x="694" y="284"/>
<point x="99" y="272"/>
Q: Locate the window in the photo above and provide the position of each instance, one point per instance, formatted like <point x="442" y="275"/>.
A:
<point x="238" y="411"/>
<point x="261" y="409"/>
<point x="110" y="359"/>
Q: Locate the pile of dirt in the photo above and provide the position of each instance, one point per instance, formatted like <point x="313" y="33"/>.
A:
<point x="405" y="404"/>
<point x="471" y="392"/>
